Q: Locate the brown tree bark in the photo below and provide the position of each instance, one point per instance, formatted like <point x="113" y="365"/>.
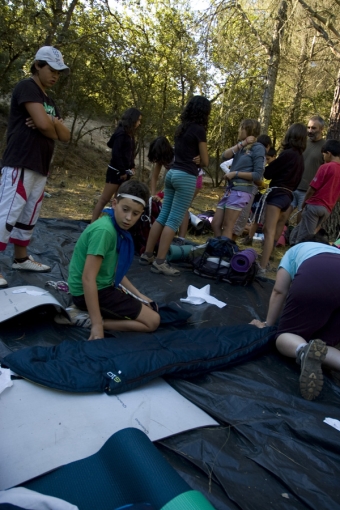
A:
<point x="274" y="55"/>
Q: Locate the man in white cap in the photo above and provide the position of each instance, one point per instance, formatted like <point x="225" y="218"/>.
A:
<point x="34" y="124"/>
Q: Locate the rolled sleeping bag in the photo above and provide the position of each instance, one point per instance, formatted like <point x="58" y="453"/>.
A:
<point x="178" y="252"/>
<point x="242" y="260"/>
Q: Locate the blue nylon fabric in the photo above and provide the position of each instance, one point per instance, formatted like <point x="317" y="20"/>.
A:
<point x="93" y="366"/>
<point x="125" y="248"/>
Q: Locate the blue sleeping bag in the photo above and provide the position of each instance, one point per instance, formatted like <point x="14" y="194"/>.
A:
<point x="117" y="365"/>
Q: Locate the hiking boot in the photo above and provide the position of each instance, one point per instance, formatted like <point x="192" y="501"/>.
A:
<point x="144" y="260"/>
<point x="165" y="269"/>
<point x="3" y="282"/>
<point x="31" y="265"/>
<point x="310" y="358"/>
<point x="247" y="241"/>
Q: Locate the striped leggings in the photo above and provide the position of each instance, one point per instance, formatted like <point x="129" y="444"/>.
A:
<point x="178" y="194"/>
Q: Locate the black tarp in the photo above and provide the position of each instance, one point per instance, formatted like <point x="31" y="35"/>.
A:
<point x="272" y="449"/>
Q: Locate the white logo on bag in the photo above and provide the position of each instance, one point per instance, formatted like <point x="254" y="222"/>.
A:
<point x="114" y="377"/>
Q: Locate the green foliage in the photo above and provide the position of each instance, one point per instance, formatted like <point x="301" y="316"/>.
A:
<point x="155" y="55"/>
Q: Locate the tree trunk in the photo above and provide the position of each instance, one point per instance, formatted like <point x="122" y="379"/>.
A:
<point x="332" y="225"/>
<point x="273" y="67"/>
<point x="294" y="114"/>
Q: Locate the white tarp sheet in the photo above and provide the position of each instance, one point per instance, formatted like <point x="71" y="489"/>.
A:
<point x="41" y="428"/>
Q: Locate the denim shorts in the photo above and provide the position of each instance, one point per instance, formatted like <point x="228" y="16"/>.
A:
<point x="236" y="200"/>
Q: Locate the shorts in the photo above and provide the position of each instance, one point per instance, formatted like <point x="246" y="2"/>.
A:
<point x="236" y="200"/>
<point x="312" y="308"/>
<point x="279" y="199"/>
<point x="113" y="176"/>
<point x="199" y="182"/>
<point x="298" y="198"/>
<point x="114" y="304"/>
<point x="21" y="195"/>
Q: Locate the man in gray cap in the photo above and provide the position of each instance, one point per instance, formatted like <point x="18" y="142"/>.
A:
<point x="312" y="158"/>
<point x="33" y="126"/>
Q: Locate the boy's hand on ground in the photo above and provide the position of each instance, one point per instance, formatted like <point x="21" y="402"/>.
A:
<point x="97" y="332"/>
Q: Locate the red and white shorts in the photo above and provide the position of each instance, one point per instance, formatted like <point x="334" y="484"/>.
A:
<point x="21" y="194"/>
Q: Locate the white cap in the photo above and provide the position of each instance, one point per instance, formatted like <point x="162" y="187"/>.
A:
<point x="52" y="56"/>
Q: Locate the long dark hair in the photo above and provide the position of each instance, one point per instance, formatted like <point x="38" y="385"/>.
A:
<point x="196" y="111"/>
<point x="160" y="151"/>
<point x="295" y="138"/>
<point x="129" y="120"/>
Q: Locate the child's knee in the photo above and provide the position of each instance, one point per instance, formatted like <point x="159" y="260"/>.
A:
<point x="152" y="322"/>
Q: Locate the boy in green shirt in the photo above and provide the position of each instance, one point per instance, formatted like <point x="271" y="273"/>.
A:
<point x="101" y="259"/>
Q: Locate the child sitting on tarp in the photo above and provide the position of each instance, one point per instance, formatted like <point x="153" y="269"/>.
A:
<point x="100" y="261"/>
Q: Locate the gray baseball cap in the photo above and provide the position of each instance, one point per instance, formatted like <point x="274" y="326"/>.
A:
<point x="53" y="57"/>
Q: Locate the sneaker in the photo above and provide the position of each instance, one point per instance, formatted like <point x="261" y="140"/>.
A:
<point x="261" y="271"/>
<point x="144" y="260"/>
<point x="310" y="358"/>
<point x="3" y="282"/>
<point x="77" y="318"/>
<point x="247" y="241"/>
<point x="165" y="269"/>
<point x="82" y="320"/>
<point x="31" y="265"/>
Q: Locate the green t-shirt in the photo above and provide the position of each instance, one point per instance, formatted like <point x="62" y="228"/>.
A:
<point x="99" y="238"/>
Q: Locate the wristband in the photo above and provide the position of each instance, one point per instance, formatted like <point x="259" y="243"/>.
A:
<point x="236" y="174"/>
<point x="240" y="145"/>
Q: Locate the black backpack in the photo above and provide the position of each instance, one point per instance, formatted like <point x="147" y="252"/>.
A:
<point x="212" y="260"/>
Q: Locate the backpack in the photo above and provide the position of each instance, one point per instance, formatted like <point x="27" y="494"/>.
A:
<point x="212" y="259"/>
<point x="140" y="231"/>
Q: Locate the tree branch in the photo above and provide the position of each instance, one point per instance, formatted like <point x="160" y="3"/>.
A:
<point x="263" y="43"/>
<point x="323" y="20"/>
<point x="325" y="35"/>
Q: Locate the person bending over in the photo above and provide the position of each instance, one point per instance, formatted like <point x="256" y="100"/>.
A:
<point x="101" y="259"/>
<point x="306" y="300"/>
<point x="122" y="164"/>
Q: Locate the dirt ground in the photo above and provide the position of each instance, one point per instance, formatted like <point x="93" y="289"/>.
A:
<point x="77" y="179"/>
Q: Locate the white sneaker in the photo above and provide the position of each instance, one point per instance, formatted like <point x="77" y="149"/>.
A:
<point x="3" y="282"/>
<point x="31" y="265"/>
<point x="78" y="318"/>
